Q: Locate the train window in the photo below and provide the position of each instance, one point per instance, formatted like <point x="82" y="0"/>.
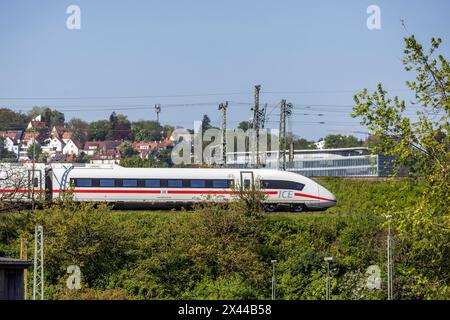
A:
<point x="83" y="182"/>
<point x="282" y="184"/>
<point x="36" y="182"/>
<point x="152" y="183"/>
<point x="130" y="183"/>
<point x="197" y="183"/>
<point x="175" y="183"/>
<point x="220" y="184"/>
<point x="107" y="183"/>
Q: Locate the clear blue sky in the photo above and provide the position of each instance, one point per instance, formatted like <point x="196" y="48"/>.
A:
<point x="167" y="48"/>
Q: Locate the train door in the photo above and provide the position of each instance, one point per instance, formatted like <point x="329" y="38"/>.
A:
<point x="247" y="179"/>
<point x="34" y="183"/>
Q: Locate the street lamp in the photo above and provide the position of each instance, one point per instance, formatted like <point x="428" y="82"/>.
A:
<point x="328" y="286"/>
<point x="273" y="278"/>
<point x="389" y="259"/>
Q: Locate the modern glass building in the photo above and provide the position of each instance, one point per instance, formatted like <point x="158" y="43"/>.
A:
<point x="345" y="162"/>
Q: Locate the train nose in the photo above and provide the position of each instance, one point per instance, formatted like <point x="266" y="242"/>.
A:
<point x="327" y="197"/>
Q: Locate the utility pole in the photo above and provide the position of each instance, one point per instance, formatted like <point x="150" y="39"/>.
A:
<point x="273" y="278"/>
<point x="389" y="260"/>
<point x="285" y="111"/>
<point x="158" y="111"/>
<point x="223" y="107"/>
<point x="257" y="122"/>
<point x="38" y="272"/>
<point x="33" y="167"/>
<point x="328" y="284"/>
<point x="24" y="256"/>
<point x="263" y="118"/>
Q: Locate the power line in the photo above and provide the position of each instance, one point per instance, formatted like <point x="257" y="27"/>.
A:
<point x="193" y="95"/>
<point x="127" y="97"/>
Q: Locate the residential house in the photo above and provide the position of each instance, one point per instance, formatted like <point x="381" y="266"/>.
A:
<point x="110" y="156"/>
<point x="12" y="140"/>
<point x="36" y="125"/>
<point x="166" y="144"/>
<point x="92" y="147"/>
<point x="67" y="136"/>
<point x="28" y="139"/>
<point x="53" y="145"/>
<point x="58" y="131"/>
<point x="145" y="148"/>
<point x="72" y="147"/>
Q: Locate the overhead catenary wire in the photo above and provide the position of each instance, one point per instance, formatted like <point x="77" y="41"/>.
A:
<point x="183" y="95"/>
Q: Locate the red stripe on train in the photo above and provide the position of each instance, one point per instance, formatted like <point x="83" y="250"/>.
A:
<point x="112" y="191"/>
<point x="212" y="192"/>
<point x="312" y="197"/>
<point x="18" y="191"/>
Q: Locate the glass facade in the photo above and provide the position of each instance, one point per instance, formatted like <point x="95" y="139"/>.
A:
<point x="350" y="162"/>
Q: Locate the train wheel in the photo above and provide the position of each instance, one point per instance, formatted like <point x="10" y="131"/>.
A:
<point x="270" y="207"/>
<point x="298" y="207"/>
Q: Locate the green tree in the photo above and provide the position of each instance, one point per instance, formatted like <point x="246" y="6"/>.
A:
<point x="206" y="123"/>
<point x="51" y="117"/>
<point x="244" y="125"/>
<point x="423" y="145"/>
<point x="144" y="130"/>
<point x="341" y="141"/>
<point x="303" y="144"/>
<point x="99" y="131"/>
<point x="127" y="150"/>
<point x="137" y="162"/>
<point x="79" y="128"/>
<point x="120" y="126"/>
<point x="11" y="120"/>
<point x="34" y="151"/>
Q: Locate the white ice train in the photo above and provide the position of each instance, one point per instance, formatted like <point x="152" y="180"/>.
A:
<point x="156" y="187"/>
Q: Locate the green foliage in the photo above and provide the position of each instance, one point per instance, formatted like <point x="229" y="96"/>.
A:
<point x="147" y="130"/>
<point x="79" y="128"/>
<point x="303" y="144"/>
<point x="423" y="228"/>
<point x="100" y="131"/>
<point x="83" y="235"/>
<point x="138" y="162"/>
<point x="127" y="150"/>
<point x="224" y="252"/>
<point x="244" y="125"/>
<point x="340" y="141"/>
<point x="11" y="120"/>
<point x="120" y="126"/>
<point x="206" y="123"/>
<point x="51" y="117"/>
<point x="34" y="151"/>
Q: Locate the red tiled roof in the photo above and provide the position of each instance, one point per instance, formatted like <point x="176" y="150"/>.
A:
<point x="38" y="124"/>
<point x="27" y="136"/>
<point x="13" y="135"/>
<point x="67" y="135"/>
<point x="104" y="145"/>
